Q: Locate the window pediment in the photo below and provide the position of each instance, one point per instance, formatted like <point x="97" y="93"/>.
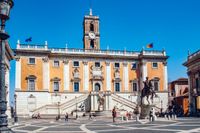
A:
<point x="55" y="79"/>
<point x="31" y="77"/>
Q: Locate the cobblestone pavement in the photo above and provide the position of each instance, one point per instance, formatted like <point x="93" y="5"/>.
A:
<point x="105" y="125"/>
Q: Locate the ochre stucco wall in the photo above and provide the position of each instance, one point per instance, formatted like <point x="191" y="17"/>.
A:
<point x="29" y="69"/>
<point x="156" y="72"/>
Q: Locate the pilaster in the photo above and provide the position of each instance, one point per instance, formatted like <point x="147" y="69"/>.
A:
<point x="108" y="76"/>
<point x="143" y="72"/>
<point x="66" y="75"/>
<point x="46" y="73"/>
<point x="125" y="76"/>
<point x="165" y="87"/>
<point x="86" y="76"/>
<point x="18" y="73"/>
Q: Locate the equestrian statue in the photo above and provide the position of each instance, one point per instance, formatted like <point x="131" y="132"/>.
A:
<point x="147" y="91"/>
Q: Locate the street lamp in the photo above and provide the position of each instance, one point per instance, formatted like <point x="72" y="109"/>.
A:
<point x="5" y="6"/>
<point x="15" y="115"/>
<point x="161" y="109"/>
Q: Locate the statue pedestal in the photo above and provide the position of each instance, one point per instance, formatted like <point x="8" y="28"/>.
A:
<point x="145" y="109"/>
<point x="101" y="108"/>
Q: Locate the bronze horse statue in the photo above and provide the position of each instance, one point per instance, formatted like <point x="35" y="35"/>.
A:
<point x="147" y="91"/>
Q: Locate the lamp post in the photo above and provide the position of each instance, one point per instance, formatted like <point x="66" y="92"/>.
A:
<point x="161" y="109"/>
<point x="15" y="115"/>
<point x="5" y="6"/>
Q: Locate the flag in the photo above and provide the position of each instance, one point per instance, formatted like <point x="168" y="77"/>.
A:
<point x="28" y="39"/>
<point x="150" y="45"/>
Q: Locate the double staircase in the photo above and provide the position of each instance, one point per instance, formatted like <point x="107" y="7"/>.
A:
<point x="53" y="108"/>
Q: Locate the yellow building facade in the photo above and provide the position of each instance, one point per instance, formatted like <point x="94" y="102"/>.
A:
<point x="77" y="79"/>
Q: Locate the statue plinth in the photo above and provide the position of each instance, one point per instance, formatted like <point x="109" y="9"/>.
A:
<point x="145" y="109"/>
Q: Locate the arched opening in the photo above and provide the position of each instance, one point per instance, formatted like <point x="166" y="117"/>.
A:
<point x="91" y="27"/>
<point x="97" y="87"/>
<point x="92" y="44"/>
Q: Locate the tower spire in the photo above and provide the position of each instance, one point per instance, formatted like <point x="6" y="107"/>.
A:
<point x="90" y="11"/>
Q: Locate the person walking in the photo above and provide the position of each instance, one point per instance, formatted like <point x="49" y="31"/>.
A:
<point x="90" y="116"/>
<point x="151" y="115"/>
<point x="114" y="114"/>
<point x="66" y="116"/>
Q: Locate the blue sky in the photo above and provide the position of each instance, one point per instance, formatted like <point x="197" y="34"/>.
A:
<point x="170" y="24"/>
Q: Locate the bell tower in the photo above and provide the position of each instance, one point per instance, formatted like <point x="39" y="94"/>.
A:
<point x="91" y="35"/>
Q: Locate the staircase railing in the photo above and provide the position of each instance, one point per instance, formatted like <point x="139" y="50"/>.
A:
<point x="43" y="107"/>
<point x="73" y="101"/>
<point x="124" y="101"/>
<point x="63" y="105"/>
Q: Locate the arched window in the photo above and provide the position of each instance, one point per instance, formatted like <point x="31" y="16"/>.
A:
<point x="92" y="44"/>
<point x="91" y="27"/>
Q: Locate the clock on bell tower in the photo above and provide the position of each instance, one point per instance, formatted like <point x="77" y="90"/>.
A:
<point x="91" y="36"/>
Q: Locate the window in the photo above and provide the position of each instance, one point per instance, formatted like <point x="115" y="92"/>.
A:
<point x="92" y="44"/>
<point x="76" y="64"/>
<point x="56" y="86"/>
<point x="155" y="65"/>
<point x="91" y="27"/>
<point x="31" y="61"/>
<point x="31" y="84"/>
<point x="97" y="64"/>
<point x="76" y="86"/>
<point x="56" y="63"/>
<point x="116" y="65"/>
<point x="117" y="87"/>
<point x="134" y="66"/>
<point x="134" y="86"/>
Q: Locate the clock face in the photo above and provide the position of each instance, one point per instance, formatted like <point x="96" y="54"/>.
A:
<point x="92" y="35"/>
